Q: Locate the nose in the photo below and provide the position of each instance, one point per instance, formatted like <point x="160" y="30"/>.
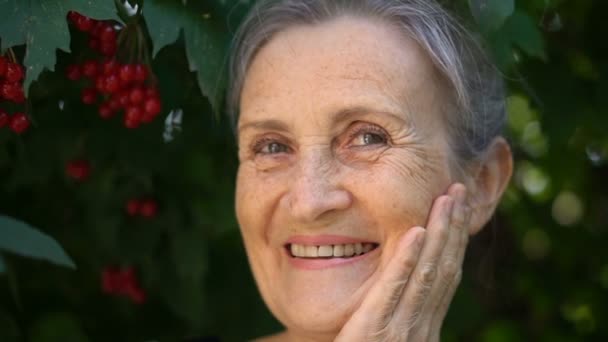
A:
<point x="317" y="188"/>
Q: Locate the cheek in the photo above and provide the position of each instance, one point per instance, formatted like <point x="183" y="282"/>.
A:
<point x="256" y="198"/>
<point x="399" y="189"/>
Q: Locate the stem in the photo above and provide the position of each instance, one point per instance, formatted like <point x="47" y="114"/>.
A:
<point x="146" y="55"/>
<point x="28" y="110"/>
<point x="140" y="8"/>
<point x="11" y="55"/>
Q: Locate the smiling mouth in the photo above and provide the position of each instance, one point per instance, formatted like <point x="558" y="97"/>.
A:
<point x="343" y="251"/>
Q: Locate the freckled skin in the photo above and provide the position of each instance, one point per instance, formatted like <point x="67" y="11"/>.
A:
<point x="326" y="181"/>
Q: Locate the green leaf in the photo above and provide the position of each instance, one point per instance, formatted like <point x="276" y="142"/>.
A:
<point x="20" y="238"/>
<point x="491" y="14"/>
<point x="43" y="27"/>
<point x="525" y="34"/>
<point x="9" y="330"/>
<point x="206" y="42"/>
<point x="518" y="33"/>
<point x="58" y="326"/>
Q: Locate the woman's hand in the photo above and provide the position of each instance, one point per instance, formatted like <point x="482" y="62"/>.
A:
<point x="412" y="296"/>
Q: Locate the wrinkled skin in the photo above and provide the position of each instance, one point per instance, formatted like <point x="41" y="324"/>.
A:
<point x="343" y="133"/>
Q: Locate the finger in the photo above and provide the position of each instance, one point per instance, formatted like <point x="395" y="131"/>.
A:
<point x="378" y="306"/>
<point x="462" y="216"/>
<point x="416" y="291"/>
<point x="449" y="266"/>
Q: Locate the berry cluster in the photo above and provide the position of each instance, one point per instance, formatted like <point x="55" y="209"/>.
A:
<point x="147" y="207"/>
<point x="122" y="282"/>
<point x="121" y="87"/>
<point x="11" y="90"/>
<point x="102" y="34"/>
<point x="78" y="169"/>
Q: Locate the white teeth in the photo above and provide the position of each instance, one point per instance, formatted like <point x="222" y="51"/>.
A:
<point x="349" y="250"/>
<point x="325" y="251"/>
<point x="295" y="249"/>
<point x="358" y="248"/>
<point x="311" y="251"/>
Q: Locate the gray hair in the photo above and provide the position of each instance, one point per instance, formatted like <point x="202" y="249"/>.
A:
<point x="478" y="91"/>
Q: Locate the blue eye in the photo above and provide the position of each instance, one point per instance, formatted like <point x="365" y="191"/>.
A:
<point x="369" y="135"/>
<point x="372" y="138"/>
<point x="269" y="146"/>
<point x="274" y="147"/>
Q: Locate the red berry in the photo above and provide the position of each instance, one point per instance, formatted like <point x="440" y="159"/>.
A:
<point x="152" y="106"/>
<point x="78" y="169"/>
<point x="108" y="49"/>
<point x="147" y="118"/>
<point x="89" y="96"/>
<point x="132" y="207"/>
<point x="152" y="92"/>
<point x="73" y="72"/>
<point x="137" y="295"/>
<point x="114" y="102"/>
<point x="123" y="97"/>
<point x="129" y="286"/>
<point x="109" y="282"/>
<point x="100" y="84"/>
<point x="107" y="33"/>
<point x="129" y="276"/>
<point x="19" y="123"/>
<point x="112" y="83"/>
<point x="141" y="72"/>
<point x="10" y="90"/>
<point x="18" y="95"/>
<point x="127" y="73"/>
<point x="105" y="111"/>
<point x="109" y="66"/>
<point x="3" y="90"/>
<point x="133" y="117"/>
<point x="90" y="69"/>
<point x="137" y="95"/>
<point x="14" y="72"/>
<point x="3" y="65"/>
<point x="94" y="44"/>
<point x="149" y="208"/>
<point x="73" y="16"/>
<point x="126" y="280"/>
<point x="84" y="23"/>
<point x="4" y="118"/>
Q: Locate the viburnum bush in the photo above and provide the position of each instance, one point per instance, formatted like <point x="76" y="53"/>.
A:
<point x="11" y="90"/>
<point x="111" y="84"/>
<point x="111" y="107"/>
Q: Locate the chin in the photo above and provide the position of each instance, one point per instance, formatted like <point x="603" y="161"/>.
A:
<point x="319" y="319"/>
<point x="319" y="302"/>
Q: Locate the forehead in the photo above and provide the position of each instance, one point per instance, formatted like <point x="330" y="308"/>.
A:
<point x="347" y="61"/>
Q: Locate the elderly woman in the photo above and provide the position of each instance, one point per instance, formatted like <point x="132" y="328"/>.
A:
<point x="370" y="150"/>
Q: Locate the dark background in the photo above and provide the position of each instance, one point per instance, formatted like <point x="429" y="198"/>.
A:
<point x="538" y="272"/>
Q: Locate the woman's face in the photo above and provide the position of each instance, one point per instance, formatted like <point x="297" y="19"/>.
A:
<point x="341" y="142"/>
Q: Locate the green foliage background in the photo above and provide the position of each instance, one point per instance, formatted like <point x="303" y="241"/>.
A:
<point x="538" y="272"/>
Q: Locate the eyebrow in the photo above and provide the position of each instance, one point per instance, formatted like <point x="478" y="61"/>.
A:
<point x="340" y="116"/>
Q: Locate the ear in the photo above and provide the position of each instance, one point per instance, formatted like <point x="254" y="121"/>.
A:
<point x="491" y="177"/>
